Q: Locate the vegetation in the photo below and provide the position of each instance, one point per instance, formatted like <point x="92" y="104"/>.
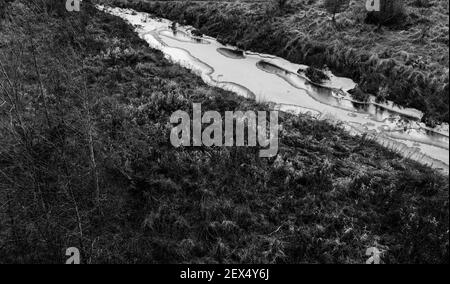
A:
<point x="196" y="33"/>
<point x="406" y="62"/>
<point x="282" y="4"/>
<point x="85" y="161"/>
<point x="316" y="75"/>
<point x="336" y="6"/>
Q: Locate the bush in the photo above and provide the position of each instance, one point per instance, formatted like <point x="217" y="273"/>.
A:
<point x="197" y="33"/>
<point x="3" y="4"/>
<point x="422" y="3"/>
<point x="316" y="75"/>
<point x="336" y="6"/>
<point x="57" y="7"/>
<point x="281" y="4"/>
<point x="358" y="95"/>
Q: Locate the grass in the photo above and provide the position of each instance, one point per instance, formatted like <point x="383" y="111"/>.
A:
<point x="316" y="75"/>
<point x="406" y="62"/>
<point x="85" y="161"/>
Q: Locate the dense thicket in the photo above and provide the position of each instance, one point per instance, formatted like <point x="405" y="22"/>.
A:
<point x="85" y="161"/>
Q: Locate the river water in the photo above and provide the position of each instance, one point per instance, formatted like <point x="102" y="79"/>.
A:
<point x="268" y="78"/>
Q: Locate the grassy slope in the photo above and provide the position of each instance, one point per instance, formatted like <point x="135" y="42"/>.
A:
<point x="407" y="63"/>
<point x="326" y="198"/>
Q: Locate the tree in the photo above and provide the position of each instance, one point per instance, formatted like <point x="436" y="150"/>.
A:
<point x="336" y="6"/>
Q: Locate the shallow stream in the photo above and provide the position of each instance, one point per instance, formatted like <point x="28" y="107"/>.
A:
<point x="272" y="79"/>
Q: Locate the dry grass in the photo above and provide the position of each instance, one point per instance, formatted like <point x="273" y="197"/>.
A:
<point x="325" y="198"/>
<point x="406" y="62"/>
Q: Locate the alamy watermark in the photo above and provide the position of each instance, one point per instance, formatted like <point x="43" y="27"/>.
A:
<point x="74" y="255"/>
<point x="73" y="5"/>
<point x="225" y="132"/>
<point x="373" y="5"/>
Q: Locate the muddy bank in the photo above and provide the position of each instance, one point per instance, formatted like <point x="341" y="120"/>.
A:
<point x="232" y="53"/>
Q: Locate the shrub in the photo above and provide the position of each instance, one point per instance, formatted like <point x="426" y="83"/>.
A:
<point x="422" y="3"/>
<point x="55" y="6"/>
<point x="316" y="75"/>
<point x="336" y="6"/>
<point x="197" y="33"/>
<point x="358" y="95"/>
<point x="281" y="4"/>
<point x="3" y="4"/>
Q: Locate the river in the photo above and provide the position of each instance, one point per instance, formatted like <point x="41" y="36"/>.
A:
<point x="271" y="79"/>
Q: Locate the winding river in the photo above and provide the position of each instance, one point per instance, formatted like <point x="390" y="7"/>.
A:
<point x="272" y="79"/>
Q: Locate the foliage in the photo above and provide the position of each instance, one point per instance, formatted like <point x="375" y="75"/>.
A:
<point x="281" y="4"/>
<point x="336" y="6"/>
<point x="403" y="64"/>
<point x="3" y="7"/>
<point x="316" y="75"/>
<point x="85" y="161"/>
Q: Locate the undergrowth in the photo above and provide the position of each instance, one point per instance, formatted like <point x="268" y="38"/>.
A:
<point x="406" y="62"/>
<point x="85" y="161"/>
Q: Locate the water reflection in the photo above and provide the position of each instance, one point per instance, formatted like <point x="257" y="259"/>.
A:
<point x="183" y="36"/>
<point x="231" y="53"/>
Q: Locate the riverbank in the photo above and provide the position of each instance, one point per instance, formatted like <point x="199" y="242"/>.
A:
<point x="398" y="63"/>
<point x="86" y="161"/>
<point x="270" y="79"/>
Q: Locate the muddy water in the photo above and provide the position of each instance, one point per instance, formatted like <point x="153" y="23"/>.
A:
<point x="268" y="78"/>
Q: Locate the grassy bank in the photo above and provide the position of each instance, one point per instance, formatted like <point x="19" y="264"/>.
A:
<point x="406" y="62"/>
<point x="85" y="161"/>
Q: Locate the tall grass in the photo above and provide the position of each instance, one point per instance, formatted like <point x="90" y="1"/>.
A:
<point x="406" y="63"/>
<point x="85" y="161"/>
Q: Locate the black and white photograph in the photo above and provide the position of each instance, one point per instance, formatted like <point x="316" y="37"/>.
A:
<point x="224" y="140"/>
